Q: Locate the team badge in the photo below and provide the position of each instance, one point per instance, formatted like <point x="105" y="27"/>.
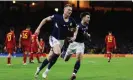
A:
<point x="70" y="24"/>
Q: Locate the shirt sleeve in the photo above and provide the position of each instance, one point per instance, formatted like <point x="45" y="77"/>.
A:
<point x="53" y="17"/>
<point x="14" y="40"/>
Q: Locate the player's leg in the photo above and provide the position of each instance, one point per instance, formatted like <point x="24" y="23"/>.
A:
<point x="9" y="59"/>
<point x="28" y="53"/>
<point x="24" y="57"/>
<point x="24" y="54"/>
<point x="64" y="49"/>
<point x="9" y="50"/>
<point x="77" y="65"/>
<point x="109" y="53"/>
<point x="44" y="63"/>
<point x="70" y="50"/>
<point x="63" y="52"/>
<point x="56" y="48"/>
<point x="35" y="51"/>
<point x="79" y="54"/>
<point x="54" y="57"/>
<point x="38" y="57"/>
<point x="68" y="55"/>
<point x="31" y="57"/>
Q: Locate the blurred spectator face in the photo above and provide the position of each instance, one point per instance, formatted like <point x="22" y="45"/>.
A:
<point x="68" y="11"/>
<point x="86" y="19"/>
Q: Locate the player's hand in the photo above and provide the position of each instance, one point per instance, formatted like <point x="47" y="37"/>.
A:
<point x="89" y="35"/>
<point x="72" y="29"/>
<point x="5" y="48"/>
<point x="72" y="39"/>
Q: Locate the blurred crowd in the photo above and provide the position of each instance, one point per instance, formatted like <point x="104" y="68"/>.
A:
<point x="90" y="47"/>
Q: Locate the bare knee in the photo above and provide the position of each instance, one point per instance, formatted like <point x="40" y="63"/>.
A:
<point x="50" y="54"/>
<point x="79" y="57"/>
<point x="57" y="49"/>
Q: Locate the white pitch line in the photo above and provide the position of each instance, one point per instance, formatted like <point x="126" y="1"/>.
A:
<point x="91" y="61"/>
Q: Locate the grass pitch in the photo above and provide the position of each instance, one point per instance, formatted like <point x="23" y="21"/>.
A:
<point x="91" y="69"/>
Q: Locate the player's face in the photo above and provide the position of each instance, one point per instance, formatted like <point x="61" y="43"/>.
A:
<point x="11" y="30"/>
<point x="28" y="28"/>
<point x="68" y="11"/>
<point x="41" y="39"/>
<point x="87" y="19"/>
<point x="110" y="33"/>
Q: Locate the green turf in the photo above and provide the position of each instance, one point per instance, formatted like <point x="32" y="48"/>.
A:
<point x="91" y="69"/>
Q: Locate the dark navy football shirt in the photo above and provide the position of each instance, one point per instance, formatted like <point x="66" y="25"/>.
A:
<point x="60" y="27"/>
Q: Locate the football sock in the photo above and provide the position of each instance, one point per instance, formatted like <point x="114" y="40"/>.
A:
<point x="37" y="56"/>
<point x="76" y="67"/>
<point x="53" y="60"/>
<point x="44" y="63"/>
<point x="24" y="58"/>
<point x="46" y="71"/>
<point x="9" y="60"/>
<point x="63" y="54"/>
<point x="31" y="57"/>
<point x="109" y="55"/>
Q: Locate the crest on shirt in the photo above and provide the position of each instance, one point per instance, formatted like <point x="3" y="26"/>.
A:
<point x="70" y="24"/>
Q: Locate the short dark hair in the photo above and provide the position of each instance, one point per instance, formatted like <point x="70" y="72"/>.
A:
<point x="83" y="14"/>
<point x="28" y="26"/>
<point x="110" y="32"/>
<point x="68" y="5"/>
<point x="12" y="28"/>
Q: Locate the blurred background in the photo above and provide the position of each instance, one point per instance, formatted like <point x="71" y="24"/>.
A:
<point x="115" y="16"/>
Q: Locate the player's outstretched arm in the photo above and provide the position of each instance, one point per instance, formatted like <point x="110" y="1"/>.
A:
<point x="45" y="20"/>
<point x="75" y="34"/>
<point x="38" y="43"/>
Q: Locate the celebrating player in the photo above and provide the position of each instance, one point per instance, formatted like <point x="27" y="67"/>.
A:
<point x="34" y="47"/>
<point x="10" y="44"/>
<point x="110" y="45"/>
<point x="25" y="43"/>
<point x="62" y="24"/>
<point x="78" y="45"/>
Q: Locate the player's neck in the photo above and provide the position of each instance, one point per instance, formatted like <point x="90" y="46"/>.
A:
<point x="11" y="31"/>
<point x="83" y="23"/>
<point x="65" y="16"/>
